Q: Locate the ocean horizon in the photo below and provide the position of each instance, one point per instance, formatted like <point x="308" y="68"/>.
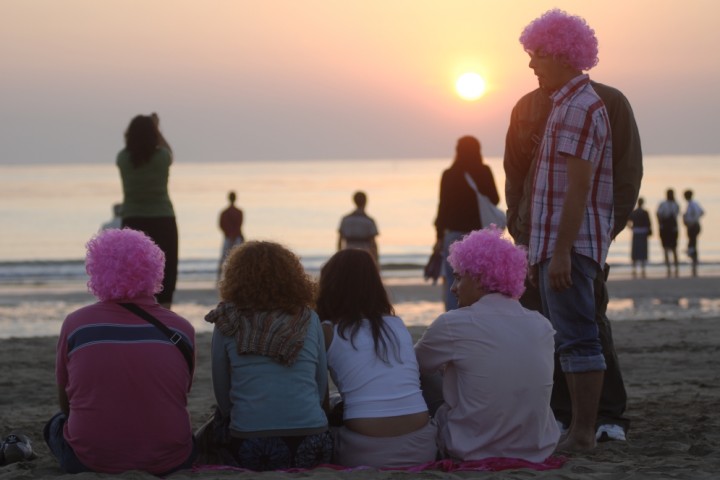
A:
<point x="50" y="211"/>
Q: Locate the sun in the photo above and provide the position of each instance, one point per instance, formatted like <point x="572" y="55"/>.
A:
<point x="470" y="86"/>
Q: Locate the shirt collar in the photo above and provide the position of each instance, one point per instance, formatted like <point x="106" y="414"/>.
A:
<point x="570" y="88"/>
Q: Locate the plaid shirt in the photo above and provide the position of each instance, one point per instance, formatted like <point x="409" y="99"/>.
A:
<point x="578" y="126"/>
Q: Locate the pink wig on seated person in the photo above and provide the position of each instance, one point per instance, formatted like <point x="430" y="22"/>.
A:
<point x="500" y="266"/>
<point x="123" y="264"/>
<point x="564" y="37"/>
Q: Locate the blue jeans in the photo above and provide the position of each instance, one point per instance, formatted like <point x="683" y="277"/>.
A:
<point x="450" y="237"/>
<point x="572" y="314"/>
<point x="69" y="463"/>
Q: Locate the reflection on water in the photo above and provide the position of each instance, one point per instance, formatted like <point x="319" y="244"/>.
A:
<point x="663" y="308"/>
<point x="42" y="318"/>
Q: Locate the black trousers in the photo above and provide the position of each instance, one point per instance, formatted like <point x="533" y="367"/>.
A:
<point x="613" y="398"/>
<point x="163" y="231"/>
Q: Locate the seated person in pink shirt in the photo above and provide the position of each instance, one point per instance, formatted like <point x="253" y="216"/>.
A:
<point x="496" y="358"/>
<point x="122" y="383"/>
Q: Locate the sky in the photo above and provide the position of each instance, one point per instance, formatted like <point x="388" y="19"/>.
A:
<point x="323" y="79"/>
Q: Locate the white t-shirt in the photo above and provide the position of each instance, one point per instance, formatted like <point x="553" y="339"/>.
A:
<point x="371" y="388"/>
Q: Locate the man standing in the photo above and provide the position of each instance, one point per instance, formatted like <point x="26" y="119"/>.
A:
<point x="231" y="220"/>
<point x="571" y="214"/>
<point x="358" y="230"/>
<point x="527" y="127"/>
<point x="691" y="219"/>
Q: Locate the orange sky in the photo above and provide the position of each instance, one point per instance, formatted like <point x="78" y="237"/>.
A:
<point x="326" y="78"/>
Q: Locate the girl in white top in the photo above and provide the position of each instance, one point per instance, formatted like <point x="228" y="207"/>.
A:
<point x="372" y="362"/>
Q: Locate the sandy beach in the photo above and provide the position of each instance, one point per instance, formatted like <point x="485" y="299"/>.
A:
<point x="671" y="365"/>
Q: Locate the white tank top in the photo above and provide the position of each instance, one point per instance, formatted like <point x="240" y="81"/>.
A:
<point x="371" y="388"/>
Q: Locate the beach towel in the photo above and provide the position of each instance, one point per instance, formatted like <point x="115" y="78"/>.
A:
<point x="486" y="465"/>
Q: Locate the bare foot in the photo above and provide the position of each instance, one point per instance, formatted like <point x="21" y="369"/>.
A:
<point x="573" y="444"/>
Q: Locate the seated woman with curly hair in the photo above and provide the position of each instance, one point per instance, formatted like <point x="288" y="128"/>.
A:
<point x="269" y="368"/>
<point x="372" y="362"/>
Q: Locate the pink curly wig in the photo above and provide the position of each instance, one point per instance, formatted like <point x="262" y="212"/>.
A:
<point x="484" y="254"/>
<point x="564" y="36"/>
<point x="123" y="264"/>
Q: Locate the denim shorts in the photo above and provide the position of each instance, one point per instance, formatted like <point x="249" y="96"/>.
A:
<point x="572" y="314"/>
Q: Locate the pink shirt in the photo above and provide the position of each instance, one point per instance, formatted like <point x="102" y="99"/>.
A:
<point x="497" y="359"/>
<point x="127" y="386"/>
<point x="578" y="126"/>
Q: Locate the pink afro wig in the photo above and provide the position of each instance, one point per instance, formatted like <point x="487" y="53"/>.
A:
<point x="123" y="264"/>
<point x="484" y="254"/>
<point x="564" y="36"/>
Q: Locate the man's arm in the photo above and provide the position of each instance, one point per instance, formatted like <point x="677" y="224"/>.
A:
<point x="434" y="349"/>
<point x="63" y="401"/>
<point x="579" y="174"/>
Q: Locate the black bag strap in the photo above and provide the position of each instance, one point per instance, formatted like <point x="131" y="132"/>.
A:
<point x="175" y="338"/>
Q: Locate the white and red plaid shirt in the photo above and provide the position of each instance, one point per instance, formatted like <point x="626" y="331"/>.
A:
<point x="578" y="126"/>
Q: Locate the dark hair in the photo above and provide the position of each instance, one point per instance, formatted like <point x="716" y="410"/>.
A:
<point x="351" y="290"/>
<point x="468" y="156"/>
<point x="360" y="199"/>
<point x="670" y="194"/>
<point x="688" y="194"/>
<point x="141" y="139"/>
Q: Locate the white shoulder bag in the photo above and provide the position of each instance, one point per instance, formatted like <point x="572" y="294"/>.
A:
<point x="489" y="213"/>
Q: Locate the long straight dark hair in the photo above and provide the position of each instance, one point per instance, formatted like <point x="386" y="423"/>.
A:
<point x="350" y="291"/>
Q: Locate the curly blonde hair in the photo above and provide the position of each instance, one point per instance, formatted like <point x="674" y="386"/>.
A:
<point x="265" y="276"/>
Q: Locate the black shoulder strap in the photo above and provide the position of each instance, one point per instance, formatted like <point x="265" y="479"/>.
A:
<point x="174" y="337"/>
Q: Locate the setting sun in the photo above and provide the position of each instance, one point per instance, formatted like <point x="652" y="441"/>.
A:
<point x="470" y="86"/>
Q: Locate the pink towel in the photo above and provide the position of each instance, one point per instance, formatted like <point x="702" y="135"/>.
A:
<point x="485" y="465"/>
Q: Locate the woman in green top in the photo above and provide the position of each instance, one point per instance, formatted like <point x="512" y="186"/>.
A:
<point x="144" y="166"/>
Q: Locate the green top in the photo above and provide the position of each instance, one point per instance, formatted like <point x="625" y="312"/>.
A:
<point x="145" y="187"/>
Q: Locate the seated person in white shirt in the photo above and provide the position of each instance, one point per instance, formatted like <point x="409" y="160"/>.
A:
<point x="385" y="421"/>
<point x="496" y="358"/>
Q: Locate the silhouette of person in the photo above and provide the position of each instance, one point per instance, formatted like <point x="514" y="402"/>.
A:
<point x="667" y="214"/>
<point x="144" y="166"/>
<point x="639" y="221"/>
<point x="571" y="219"/>
<point x="458" y="212"/>
<point x="231" y="220"/>
<point x="116" y="221"/>
<point x="358" y="230"/>
<point x="691" y="219"/>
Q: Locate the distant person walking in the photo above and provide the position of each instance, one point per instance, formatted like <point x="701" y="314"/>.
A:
<point x="691" y="219"/>
<point x="667" y="214"/>
<point x="144" y="166"/>
<point x="458" y="212"/>
<point x="116" y="221"/>
<point x="639" y="221"/>
<point x="231" y="220"/>
<point x="358" y="230"/>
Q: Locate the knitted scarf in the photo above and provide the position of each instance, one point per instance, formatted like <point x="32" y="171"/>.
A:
<point x="272" y="334"/>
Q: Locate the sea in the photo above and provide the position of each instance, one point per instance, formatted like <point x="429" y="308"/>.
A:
<point x="49" y="212"/>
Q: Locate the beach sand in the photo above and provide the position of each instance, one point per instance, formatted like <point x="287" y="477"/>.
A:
<point x="671" y="367"/>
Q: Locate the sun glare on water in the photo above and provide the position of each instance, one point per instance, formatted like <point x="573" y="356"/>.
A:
<point x="470" y="86"/>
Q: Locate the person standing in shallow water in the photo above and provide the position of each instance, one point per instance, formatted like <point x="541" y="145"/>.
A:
<point x="667" y="214"/>
<point x="691" y="219"/>
<point x="231" y="220"/>
<point x="639" y="221"/>
<point x="358" y="230"/>
<point x="458" y="212"/>
<point x="144" y="166"/>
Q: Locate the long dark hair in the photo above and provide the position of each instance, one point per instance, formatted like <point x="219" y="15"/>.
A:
<point x="141" y="139"/>
<point x="468" y="155"/>
<point x="351" y="290"/>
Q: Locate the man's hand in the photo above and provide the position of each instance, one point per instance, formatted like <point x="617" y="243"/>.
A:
<point x="559" y="271"/>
